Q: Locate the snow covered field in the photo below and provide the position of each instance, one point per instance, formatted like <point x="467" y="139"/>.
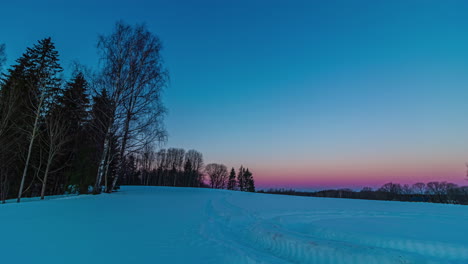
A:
<point x="185" y="225"/>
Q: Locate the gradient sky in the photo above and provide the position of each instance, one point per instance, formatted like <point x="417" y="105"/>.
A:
<point x="305" y="93"/>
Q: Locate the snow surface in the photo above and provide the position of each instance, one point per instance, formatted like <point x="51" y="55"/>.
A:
<point x="188" y="225"/>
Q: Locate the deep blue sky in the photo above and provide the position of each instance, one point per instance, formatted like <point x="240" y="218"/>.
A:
<point x="327" y="92"/>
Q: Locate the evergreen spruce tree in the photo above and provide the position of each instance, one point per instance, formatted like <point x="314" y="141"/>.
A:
<point x="40" y="67"/>
<point x="13" y="109"/>
<point x="232" y="180"/>
<point x="75" y="105"/>
<point x="241" y="179"/>
<point x="250" y="184"/>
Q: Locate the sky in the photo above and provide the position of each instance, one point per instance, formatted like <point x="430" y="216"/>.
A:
<point x="307" y="94"/>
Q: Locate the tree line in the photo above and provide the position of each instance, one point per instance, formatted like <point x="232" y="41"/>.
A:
<point x="434" y="192"/>
<point x="95" y="130"/>
<point x="179" y="168"/>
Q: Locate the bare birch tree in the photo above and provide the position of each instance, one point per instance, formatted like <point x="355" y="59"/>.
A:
<point x="42" y="83"/>
<point x="55" y="139"/>
<point x="218" y="175"/>
<point x="134" y="75"/>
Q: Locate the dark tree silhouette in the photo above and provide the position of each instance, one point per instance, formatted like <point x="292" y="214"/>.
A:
<point x="40" y="65"/>
<point x="217" y="174"/>
<point x="240" y="179"/>
<point x="232" y="180"/>
<point x="133" y="72"/>
<point x="249" y="181"/>
<point x="2" y="56"/>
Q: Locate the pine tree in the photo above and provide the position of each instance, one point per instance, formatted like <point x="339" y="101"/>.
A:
<point x="232" y="180"/>
<point x="75" y="105"/>
<point x="40" y="65"/>
<point x="241" y="179"/>
<point x="250" y="183"/>
<point x="12" y="110"/>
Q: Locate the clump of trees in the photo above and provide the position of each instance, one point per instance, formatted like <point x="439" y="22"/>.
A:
<point x="77" y="135"/>
<point x="92" y="132"/>
<point x="180" y="168"/>
<point x="218" y="175"/>
<point x="220" y="179"/>
<point x="434" y="192"/>
<point x="166" y="167"/>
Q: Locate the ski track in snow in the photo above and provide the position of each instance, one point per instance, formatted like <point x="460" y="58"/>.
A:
<point x="187" y="225"/>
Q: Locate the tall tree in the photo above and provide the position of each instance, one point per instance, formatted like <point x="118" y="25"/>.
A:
<point x="196" y="160"/>
<point x="75" y="103"/>
<point x="41" y="68"/>
<point x="241" y="179"/>
<point x="232" y="180"/>
<point x="134" y="74"/>
<point x="10" y="97"/>
<point x="102" y="115"/>
<point x="55" y="138"/>
<point x="249" y="181"/>
<point x="78" y="157"/>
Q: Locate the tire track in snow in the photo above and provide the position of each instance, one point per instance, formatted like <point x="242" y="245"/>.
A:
<point x="219" y="228"/>
<point x="440" y="250"/>
<point x="270" y="237"/>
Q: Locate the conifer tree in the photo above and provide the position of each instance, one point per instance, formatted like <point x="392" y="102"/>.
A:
<point x="232" y="180"/>
<point x="249" y="181"/>
<point x="241" y="179"/>
<point x="40" y="65"/>
<point x="75" y="105"/>
<point x="10" y="98"/>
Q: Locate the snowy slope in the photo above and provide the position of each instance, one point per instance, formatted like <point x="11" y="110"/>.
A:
<point x="185" y="225"/>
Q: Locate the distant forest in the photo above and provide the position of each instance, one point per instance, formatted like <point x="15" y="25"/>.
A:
<point x="98" y="129"/>
<point x="434" y="192"/>
<point x="175" y="167"/>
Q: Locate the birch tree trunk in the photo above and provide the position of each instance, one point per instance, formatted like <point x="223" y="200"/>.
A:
<point x="44" y="181"/>
<point x="102" y="164"/>
<point x="122" y="154"/>
<point x="31" y="142"/>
